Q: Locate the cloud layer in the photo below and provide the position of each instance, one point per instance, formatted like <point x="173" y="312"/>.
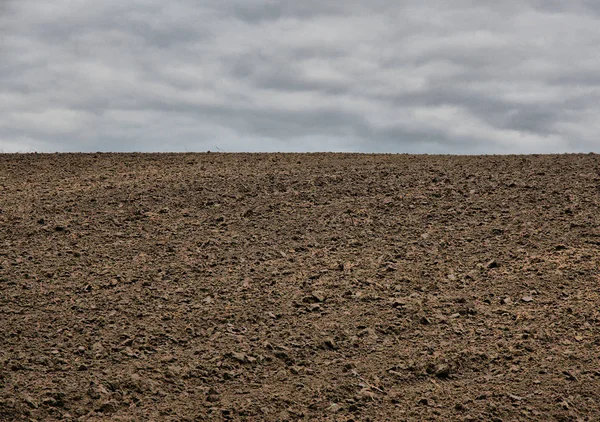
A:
<point x="271" y="75"/>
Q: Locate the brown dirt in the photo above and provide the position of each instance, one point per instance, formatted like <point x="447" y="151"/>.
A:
<point x="180" y="287"/>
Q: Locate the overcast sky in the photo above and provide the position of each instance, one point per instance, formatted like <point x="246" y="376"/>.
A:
<point x="413" y="76"/>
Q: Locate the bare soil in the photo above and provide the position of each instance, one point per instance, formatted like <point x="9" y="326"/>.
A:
<point x="284" y="287"/>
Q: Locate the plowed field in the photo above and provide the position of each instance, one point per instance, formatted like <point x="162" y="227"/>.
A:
<point x="184" y="287"/>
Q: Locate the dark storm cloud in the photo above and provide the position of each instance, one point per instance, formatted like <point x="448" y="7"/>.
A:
<point x="271" y="75"/>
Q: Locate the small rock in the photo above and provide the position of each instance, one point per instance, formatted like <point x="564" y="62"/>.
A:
<point x="167" y="359"/>
<point x="108" y="407"/>
<point x="174" y="371"/>
<point x="315" y="297"/>
<point x="442" y="371"/>
<point x="49" y="401"/>
<point x="96" y="391"/>
<point x="398" y="303"/>
<point x="527" y="299"/>
<point x="240" y="357"/>
<point x="30" y="402"/>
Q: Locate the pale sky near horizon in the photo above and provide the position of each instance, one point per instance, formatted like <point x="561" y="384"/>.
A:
<point x="466" y="77"/>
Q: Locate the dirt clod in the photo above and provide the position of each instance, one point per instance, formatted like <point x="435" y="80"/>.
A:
<point x="330" y="343"/>
<point x="442" y="371"/>
<point x="492" y="264"/>
<point x="240" y="357"/>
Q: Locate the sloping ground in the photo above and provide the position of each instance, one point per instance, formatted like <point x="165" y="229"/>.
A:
<point x="299" y="287"/>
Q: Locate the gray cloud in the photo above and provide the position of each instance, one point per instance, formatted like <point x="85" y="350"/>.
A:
<point x="274" y="75"/>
